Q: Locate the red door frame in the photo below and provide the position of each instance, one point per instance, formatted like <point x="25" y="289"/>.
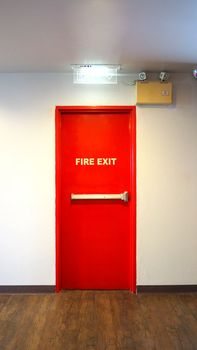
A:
<point x="95" y="109"/>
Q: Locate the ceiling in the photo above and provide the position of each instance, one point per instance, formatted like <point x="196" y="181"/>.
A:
<point x="49" y="35"/>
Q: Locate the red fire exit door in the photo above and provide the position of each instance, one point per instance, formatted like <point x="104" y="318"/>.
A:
<point x="95" y="169"/>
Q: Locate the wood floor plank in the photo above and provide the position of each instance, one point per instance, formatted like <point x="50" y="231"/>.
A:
<point x="98" y="320"/>
<point x="87" y="336"/>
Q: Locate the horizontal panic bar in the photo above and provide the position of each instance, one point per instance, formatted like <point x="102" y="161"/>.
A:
<point x="122" y="196"/>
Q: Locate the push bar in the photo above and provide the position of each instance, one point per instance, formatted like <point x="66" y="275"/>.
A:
<point x="122" y="196"/>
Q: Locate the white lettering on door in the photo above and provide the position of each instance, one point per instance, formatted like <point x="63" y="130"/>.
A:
<point x="95" y="161"/>
<point x="106" y="161"/>
<point x="84" y="161"/>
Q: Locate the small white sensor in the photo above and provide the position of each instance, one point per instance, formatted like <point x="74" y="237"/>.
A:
<point x="142" y="76"/>
<point x="195" y="73"/>
<point x="163" y="76"/>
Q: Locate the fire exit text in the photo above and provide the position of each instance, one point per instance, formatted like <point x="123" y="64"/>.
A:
<point x="95" y="161"/>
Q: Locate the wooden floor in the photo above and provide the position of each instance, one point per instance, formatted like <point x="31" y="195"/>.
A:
<point x="93" y="320"/>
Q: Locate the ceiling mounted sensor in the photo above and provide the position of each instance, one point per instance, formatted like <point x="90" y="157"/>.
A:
<point x="194" y="73"/>
<point x="95" y="73"/>
<point x="163" y="76"/>
<point x="142" y="76"/>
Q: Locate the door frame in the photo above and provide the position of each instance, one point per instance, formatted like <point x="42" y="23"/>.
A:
<point x="59" y="113"/>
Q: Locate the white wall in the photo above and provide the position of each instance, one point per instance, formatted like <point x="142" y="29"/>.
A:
<point x="167" y="189"/>
<point x="166" y="168"/>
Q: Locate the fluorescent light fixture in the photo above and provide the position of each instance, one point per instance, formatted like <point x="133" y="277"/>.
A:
<point x="95" y="73"/>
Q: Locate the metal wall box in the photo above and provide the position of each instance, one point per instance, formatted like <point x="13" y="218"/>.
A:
<point x="153" y="93"/>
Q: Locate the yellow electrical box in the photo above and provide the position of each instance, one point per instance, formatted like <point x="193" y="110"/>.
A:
<point x="153" y="92"/>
